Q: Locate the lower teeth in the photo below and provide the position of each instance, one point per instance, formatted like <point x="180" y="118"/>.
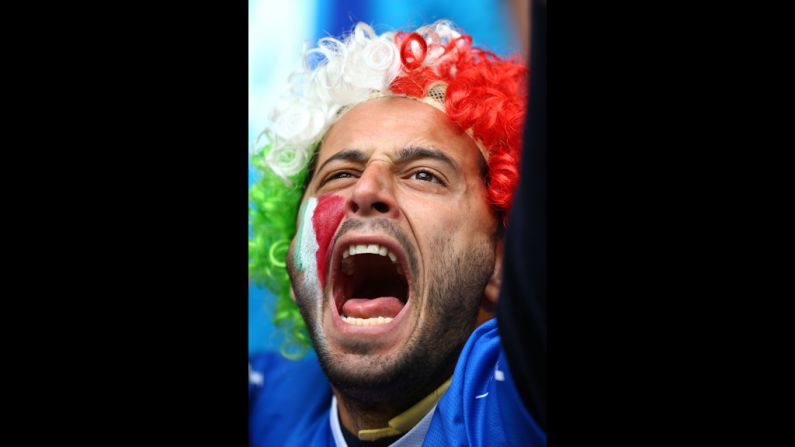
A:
<point x="366" y="321"/>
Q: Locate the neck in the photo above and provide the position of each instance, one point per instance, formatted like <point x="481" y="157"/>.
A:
<point x="354" y="416"/>
<point x="374" y="422"/>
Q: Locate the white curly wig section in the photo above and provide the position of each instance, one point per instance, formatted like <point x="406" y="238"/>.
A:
<point x="361" y="66"/>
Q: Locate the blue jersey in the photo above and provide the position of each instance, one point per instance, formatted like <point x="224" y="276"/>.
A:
<point x="290" y="401"/>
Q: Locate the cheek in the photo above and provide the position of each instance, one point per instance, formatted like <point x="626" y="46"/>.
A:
<point x="306" y="245"/>
<point x="320" y="218"/>
<point x="461" y="223"/>
<point x="446" y="217"/>
<point x="325" y="220"/>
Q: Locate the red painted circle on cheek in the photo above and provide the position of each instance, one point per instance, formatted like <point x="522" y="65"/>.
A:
<point x="328" y="214"/>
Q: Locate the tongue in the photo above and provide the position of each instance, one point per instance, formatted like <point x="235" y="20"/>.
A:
<point x="387" y="306"/>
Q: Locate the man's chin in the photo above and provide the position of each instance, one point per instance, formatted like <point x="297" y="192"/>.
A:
<point x="365" y="369"/>
<point x="387" y="368"/>
<point x="368" y="378"/>
<point x="366" y="355"/>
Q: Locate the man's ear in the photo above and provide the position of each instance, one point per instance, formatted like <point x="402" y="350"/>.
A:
<point x="492" y="291"/>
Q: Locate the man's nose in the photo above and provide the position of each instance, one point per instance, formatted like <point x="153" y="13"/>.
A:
<point x="373" y="193"/>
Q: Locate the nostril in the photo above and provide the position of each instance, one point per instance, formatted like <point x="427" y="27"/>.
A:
<point x="381" y="207"/>
<point x="354" y="207"/>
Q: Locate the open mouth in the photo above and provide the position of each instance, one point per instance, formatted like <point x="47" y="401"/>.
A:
<point x="371" y="287"/>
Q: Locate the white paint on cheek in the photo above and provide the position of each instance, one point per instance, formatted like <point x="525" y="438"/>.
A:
<point x="306" y="255"/>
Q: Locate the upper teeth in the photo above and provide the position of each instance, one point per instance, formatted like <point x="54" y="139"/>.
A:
<point x="371" y="249"/>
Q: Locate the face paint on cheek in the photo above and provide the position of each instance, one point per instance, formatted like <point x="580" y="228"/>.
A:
<point x="306" y="249"/>
<point x="325" y="220"/>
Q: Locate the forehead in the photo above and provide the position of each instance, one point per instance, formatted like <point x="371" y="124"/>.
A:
<point x="390" y="124"/>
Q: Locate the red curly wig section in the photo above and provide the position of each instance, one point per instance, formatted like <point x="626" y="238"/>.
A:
<point x="484" y="93"/>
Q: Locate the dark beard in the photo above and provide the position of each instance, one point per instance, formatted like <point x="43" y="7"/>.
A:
<point x="454" y="292"/>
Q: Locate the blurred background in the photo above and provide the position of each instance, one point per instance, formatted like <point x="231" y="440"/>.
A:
<point x="277" y="32"/>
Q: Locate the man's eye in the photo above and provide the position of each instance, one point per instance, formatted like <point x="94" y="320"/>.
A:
<point x="427" y="177"/>
<point x="337" y="175"/>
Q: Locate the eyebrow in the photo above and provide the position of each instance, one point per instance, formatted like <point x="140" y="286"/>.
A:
<point x="416" y="152"/>
<point x="347" y="155"/>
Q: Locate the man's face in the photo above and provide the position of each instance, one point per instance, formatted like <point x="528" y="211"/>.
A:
<point x="396" y="243"/>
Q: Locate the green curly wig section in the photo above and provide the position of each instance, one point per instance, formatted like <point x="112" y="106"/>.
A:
<point x="273" y="208"/>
